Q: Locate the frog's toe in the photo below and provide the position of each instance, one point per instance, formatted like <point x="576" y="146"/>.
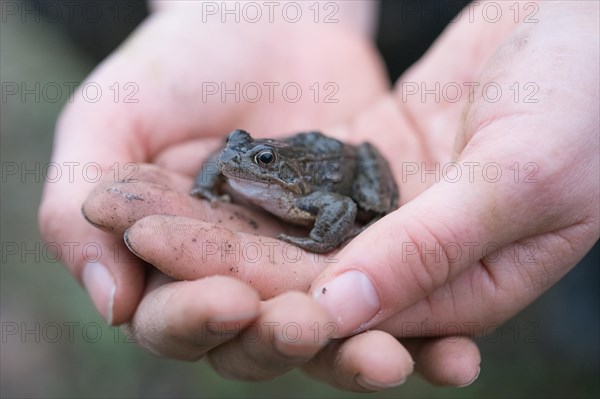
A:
<point x="201" y="192"/>
<point x="215" y="200"/>
<point x="225" y="198"/>
<point x="307" y="243"/>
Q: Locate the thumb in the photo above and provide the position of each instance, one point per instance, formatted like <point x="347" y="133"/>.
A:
<point x="420" y="247"/>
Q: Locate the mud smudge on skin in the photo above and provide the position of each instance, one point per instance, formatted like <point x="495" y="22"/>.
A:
<point x="127" y="196"/>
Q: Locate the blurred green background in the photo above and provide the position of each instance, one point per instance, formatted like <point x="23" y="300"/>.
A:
<point x="54" y="344"/>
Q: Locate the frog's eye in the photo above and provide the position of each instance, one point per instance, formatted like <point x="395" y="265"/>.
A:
<point x="265" y="157"/>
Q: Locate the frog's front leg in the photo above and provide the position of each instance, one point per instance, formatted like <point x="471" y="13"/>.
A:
<point x="208" y="180"/>
<point x="335" y="215"/>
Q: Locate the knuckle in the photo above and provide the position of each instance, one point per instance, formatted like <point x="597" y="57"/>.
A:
<point x="431" y="267"/>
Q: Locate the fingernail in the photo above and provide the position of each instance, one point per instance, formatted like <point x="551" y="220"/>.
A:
<point x="131" y="245"/>
<point x="473" y="380"/>
<point x="350" y="298"/>
<point x="376" y="385"/>
<point x="100" y="284"/>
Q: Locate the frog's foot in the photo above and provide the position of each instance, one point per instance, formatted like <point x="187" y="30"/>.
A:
<point x="209" y="195"/>
<point x="307" y="243"/>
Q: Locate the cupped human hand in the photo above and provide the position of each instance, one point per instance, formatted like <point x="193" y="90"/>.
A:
<point x="172" y="91"/>
<point x="514" y="208"/>
<point x="466" y="250"/>
<point x="196" y="302"/>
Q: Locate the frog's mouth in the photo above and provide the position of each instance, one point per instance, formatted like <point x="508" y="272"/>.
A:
<point x="255" y="191"/>
<point x="248" y="178"/>
<point x="242" y="183"/>
<point x="274" y="186"/>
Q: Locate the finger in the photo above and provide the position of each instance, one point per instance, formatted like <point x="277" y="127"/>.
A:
<point x="449" y="361"/>
<point x="103" y="136"/>
<point x="94" y="141"/>
<point x="452" y="226"/>
<point x="185" y="319"/>
<point x="370" y="361"/>
<point x="151" y="173"/>
<point x="427" y="243"/>
<point x="506" y="280"/>
<point x="112" y="276"/>
<point x="277" y="342"/>
<point x="188" y="249"/>
<point x="442" y="93"/>
<point x="116" y="206"/>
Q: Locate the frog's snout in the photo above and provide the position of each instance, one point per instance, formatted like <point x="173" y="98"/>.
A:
<point x="229" y="157"/>
<point x="230" y="163"/>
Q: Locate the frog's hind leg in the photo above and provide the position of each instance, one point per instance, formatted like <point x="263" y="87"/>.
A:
<point x="335" y="215"/>
<point x="374" y="188"/>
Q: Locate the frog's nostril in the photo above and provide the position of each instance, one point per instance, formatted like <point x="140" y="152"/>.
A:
<point x="229" y="156"/>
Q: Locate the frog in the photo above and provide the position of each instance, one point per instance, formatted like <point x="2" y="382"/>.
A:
<point x="308" y="179"/>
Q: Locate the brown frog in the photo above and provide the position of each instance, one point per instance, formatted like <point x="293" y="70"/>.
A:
<point x="307" y="179"/>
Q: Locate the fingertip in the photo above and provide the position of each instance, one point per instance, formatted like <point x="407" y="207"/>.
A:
<point x="287" y="332"/>
<point x="136" y="235"/>
<point x="382" y="361"/>
<point x="350" y="298"/>
<point x="85" y="213"/>
<point x="449" y="361"/>
<point x="375" y="385"/>
<point x="472" y="380"/>
<point x="367" y="362"/>
<point x="186" y="319"/>
<point x="303" y="332"/>
<point x="129" y="242"/>
<point x="180" y="247"/>
<point x="227" y="304"/>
